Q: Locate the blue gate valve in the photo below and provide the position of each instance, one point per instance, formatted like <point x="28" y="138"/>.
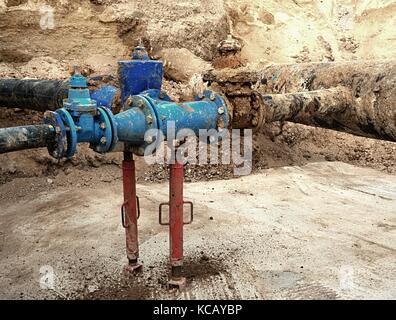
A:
<point x="79" y="121"/>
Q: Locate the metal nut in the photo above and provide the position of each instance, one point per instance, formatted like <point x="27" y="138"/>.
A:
<point x="149" y="119"/>
<point x="176" y="143"/>
<point x="212" y="97"/>
<point x="221" y="123"/>
<point x="103" y="126"/>
<point x="140" y="104"/>
<point x="220" y="110"/>
<point x="103" y="140"/>
<point x="129" y="101"/>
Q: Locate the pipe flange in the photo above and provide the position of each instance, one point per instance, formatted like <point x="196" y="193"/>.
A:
<point x="113" y="127"/>
<point x="57" y="148"/>
<point x="223" y="118"/>
<point x="71" y="132"/>
<point x="146" y="105"/>
<point x="259" y="107"/>
<point x="106" y="141"/>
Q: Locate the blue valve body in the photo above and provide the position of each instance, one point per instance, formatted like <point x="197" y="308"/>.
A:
<point x="104" y="96"/>
<point x="139" y="74"/>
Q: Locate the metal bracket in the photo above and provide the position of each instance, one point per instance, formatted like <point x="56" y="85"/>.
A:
<point x="160" y="214"/>
<point x="191" y="212"/>
<point x="178" y="283"/>
<point x="167" y="204"/>
<point x="123" y="212"/>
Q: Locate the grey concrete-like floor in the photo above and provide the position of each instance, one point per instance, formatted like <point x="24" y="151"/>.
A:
<point x="322" y="231"/>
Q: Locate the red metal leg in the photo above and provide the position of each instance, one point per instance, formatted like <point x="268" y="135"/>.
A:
<point x="176" y="224"/>
<point x="129" y="213"/>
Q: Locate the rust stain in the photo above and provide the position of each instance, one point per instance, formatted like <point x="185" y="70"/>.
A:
<point x="186" y="107"/>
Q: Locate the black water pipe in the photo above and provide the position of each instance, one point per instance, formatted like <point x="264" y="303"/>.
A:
<point x="26" y="137"/>
<point x="40" y="95"/>
<point x="43" y="95"/>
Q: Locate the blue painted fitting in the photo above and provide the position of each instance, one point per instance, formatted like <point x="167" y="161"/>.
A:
<point x="79" y="99"/>
<point x="78" y="81"/>
<point x="57" y="148"/>
<point x="104" y="96"/>
<point x="206" y="112"/>
<point x="81" y="121"/>
<point x="131" y="126"/>
<point x="139" y="74"/>
<point x="153" y="109"/>
<point x="133" y="123"/>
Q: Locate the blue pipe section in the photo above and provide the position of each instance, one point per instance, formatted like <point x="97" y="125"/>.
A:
<point x="131" y="126"/>
<point x="104" y="96"/>
<point x="205" y="113"/>
<point x="84" y="119"/>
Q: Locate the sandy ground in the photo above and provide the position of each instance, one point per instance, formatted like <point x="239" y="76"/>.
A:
<point x="321" y="231"/>
<point x="281" y="31"/>
<point x="312" y="230"/>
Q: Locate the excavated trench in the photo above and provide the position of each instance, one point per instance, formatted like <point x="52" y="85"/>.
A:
<point x="278" y="101"/>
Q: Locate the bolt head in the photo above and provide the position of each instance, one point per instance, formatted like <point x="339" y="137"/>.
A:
<point x="129" y="100"/>
<point x="176" y="143"/>
<point x="103" y="126"/>
<point x="212" y="97"/>
<point x="220" y="123"/>
<point x="103" y="140"/>
<point x="220" y="110"/>
<point x="149" y="119"/>
<point x="140" y="104"/>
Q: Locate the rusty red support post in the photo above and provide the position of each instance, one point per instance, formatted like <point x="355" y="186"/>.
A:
<point x="129" y="213"/>
<point x="176" y="204"/>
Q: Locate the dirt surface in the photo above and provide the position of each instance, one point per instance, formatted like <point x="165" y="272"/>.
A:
<point x="108" y="29"/>
<point x="276" y="31"/>
<point x="54" y="212"/>
<point x="309" y="30"/>
<point x="321" y="231"/>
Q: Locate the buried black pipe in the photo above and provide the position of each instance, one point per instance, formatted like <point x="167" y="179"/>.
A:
<point x="26" y="137"/>
<point x="40" y="95"/>
<point x="43" y="95"/>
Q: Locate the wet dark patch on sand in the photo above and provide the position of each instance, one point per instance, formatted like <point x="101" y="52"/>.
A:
<point x="203" y="267"/>
<point x="126" y="289"/>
